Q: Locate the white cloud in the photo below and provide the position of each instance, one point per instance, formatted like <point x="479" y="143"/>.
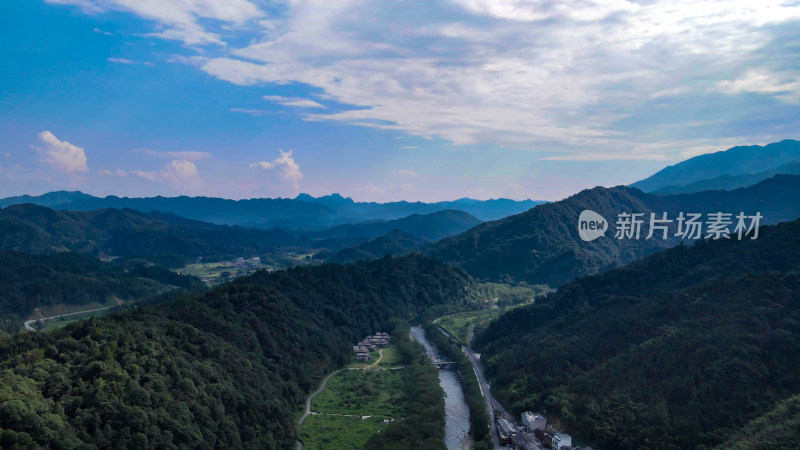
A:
<point x="783" y="86"/>
<point x="181" y="174"/>
<point x="250" y="112"/>
<point x="291" y="170"/>
<point x="293" y="101"/>
<point x="182" y="155"/>
<point x="149" y="176"/>
<point x="586" y="79"/>
<point x="116" y="172"/>
<point x="62" y="155"/>
<point x="406" y="173"/>
<point x="179" y="18"/>
<point x="488" y="76"/>
<point x="128" y="61"/>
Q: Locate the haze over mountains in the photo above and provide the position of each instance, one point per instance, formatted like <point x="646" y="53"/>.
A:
<point x="711" y="171"/>
<point x="304" y="213"/>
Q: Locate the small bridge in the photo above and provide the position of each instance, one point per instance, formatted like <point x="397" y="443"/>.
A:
<point x="442" y="364"/>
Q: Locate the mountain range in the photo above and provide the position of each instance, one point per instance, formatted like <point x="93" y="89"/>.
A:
<point x="37" y="229"/>
<point x="429" y="227"/>
<point x="543" y="246"/>
<point x="303" y="213"/>
<point x="728" y="182"/>
<point x="742" y="160"/>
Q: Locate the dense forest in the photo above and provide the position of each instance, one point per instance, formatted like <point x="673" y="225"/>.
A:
<point x="393" y="243"/>
<point x="31" y="281"/>
<point x="228" y="369"/>
<point x="679" y="350"/>
<point x="542" y="246"/>
<point x="36" y="229"/>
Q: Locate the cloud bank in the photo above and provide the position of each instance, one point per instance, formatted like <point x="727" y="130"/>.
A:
<point x="582" y="80"/>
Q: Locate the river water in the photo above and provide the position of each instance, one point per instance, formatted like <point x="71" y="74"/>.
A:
<point x="456" y="431"/>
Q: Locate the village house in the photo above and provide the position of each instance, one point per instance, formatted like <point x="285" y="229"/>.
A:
<point x="533" y="421"/>
<point x="370" y="343"/>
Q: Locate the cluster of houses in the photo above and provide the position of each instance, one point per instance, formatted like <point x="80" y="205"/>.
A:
<point x="370" y="343"/>
<point x="537" y="425"/>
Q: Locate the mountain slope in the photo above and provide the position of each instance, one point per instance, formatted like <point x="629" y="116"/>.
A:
<point x="728" y="182"/>
<point x="226" y="370"/>
<point x="675" y="351"/>
<point x="396" y="242"/>
<point x="35" y="229"/>
<point x="33" y="281"/>
<point x="431" y="227"/>
<point x="542" y="246"/>
<point x="734" y="161"/>
<point x="482" y="209"/>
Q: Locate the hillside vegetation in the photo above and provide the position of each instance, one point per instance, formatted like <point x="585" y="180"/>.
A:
<point x="228" y="369"/>
<point x="33" y="281"/>
<point x="36" y="229"/>
<point x="542" y="246"/>
<point x="679" y="350"/>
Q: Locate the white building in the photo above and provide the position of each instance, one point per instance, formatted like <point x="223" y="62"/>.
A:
<point x="561" y="440"/>
<point x="534" y="421"/>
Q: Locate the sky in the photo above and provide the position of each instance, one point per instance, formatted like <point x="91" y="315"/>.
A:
<point x="384" y="100"/>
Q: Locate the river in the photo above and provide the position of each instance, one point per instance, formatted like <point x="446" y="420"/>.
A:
<point x="456" y="431"/>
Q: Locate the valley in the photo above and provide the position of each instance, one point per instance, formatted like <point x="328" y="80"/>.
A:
<point x="193" y="332"/>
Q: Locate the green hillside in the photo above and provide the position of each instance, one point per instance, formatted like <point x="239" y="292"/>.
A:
<point x="34" y="281"/>
<point x="542" y="246"/>
<point x="229" y="369"/>
<point x="679" y="350"/>
<point x="36" y="229"/>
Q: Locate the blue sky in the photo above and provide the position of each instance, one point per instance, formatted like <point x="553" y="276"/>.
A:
<point x="384" y="100"/>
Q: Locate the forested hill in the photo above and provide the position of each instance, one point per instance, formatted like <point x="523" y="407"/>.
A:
<point x="676" y="351"/>
<point x="32" y="281"/>
<point x="36" y="229"/>
<point x="229" y="369"/>
<point x="430" y="227"/>
<point x="542" y="245"/>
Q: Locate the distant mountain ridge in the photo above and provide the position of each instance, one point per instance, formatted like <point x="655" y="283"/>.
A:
<point x="39" y="230"/>
<point x="542" y="246"/>
<point x="395" y="242"/>
<point x="431" y="227"/>
<point x="740" y="160"/>
<point x="728" y="182"/>
<point x="301" y="213"/>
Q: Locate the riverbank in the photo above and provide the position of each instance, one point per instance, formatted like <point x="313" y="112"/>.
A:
<point x="457" y="412"/>
<point x="481" y="425"/>
<point x="396" y="398"/>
